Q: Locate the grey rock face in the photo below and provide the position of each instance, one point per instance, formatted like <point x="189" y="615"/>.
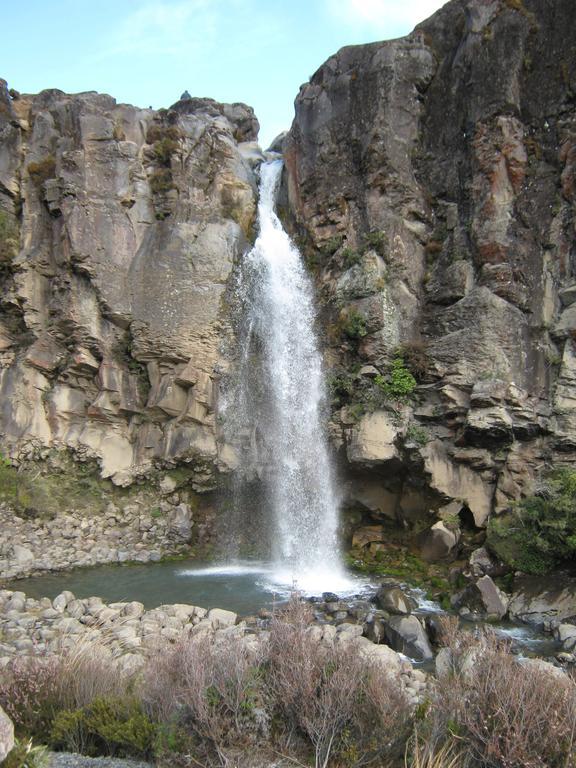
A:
<point x="542" y="599"/>
<point x="406" y="634"/>
<point x="130" y="221"/>
<point x="452" y="153"/>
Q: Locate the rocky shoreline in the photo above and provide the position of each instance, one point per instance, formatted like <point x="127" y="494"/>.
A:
<point x="135" y="533"/>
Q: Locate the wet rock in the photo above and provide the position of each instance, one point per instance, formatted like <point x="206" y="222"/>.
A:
<point x="394" y="600"/>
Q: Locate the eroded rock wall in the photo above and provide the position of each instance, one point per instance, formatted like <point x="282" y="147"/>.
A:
<point x="120" y="229"/>
<point x="430" y="180"/>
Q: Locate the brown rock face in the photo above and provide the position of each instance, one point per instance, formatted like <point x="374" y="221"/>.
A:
<point x="432" y="179"/>
<point x="112" y="315"/>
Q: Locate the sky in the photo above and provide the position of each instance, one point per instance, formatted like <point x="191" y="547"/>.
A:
<point x="147" y="52"/>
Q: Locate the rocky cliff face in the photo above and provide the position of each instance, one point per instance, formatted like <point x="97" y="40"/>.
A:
<point x="431" y="181"/>
<point x="119" y="229"/>
<point x="431" y="184"/>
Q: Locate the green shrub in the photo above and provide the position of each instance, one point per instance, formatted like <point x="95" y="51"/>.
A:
<point x="350" y="257"/>
<point x="164" y="149"/>
<point x="341" y="387"/>
<point x="417" y="434"/>
<point x="539" y="533"/>
<point x="376" y="240"/>
<point x="108" y="726"/>
<point x="400" y="384"/>
<point x="25" y="755"/>
<point x="159" y="131"/>
<point x="42" y="170"/>
<point x="354" y="325"/>
<point x="331" y="245"/>
<point x="416" y="358"/>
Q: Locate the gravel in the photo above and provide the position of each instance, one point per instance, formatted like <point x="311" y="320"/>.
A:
<point x="70" y="760"/>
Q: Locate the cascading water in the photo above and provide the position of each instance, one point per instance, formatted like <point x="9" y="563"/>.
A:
<point x="281" y="392"/>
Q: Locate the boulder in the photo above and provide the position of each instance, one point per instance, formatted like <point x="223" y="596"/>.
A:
<point x="180" y="522"/>
<point x="495" y="601"/>
<point x="439" y="542"/>
<point x="458" y="481"/>
<point x="220" y="619"/>
<point x="407" y="635"/>
<point x="482" y="563"/>
<point x="6" y="735"/>
<point x="541" y="599"/>
<point x="393" y="600"/>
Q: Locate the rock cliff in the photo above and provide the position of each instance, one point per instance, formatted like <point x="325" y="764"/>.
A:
<point x="430" y="181"/>
<point x="119" y="230"/>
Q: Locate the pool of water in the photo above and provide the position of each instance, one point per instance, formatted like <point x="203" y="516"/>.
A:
<point x="243" y="587"/>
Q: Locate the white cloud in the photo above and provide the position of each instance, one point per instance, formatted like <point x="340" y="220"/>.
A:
<point x="383" y="14"/>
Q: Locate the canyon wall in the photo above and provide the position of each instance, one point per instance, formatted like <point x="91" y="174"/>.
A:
<point x="120" y="229"/>
<point x="430" y="181"/>
<point x="430" y="184"/>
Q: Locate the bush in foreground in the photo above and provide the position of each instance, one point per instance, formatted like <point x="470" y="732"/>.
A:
<point x="497" y="712"/>
<point x="289" y="694"/>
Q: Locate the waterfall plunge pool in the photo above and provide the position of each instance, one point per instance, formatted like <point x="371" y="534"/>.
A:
<point x="244" y="587"/>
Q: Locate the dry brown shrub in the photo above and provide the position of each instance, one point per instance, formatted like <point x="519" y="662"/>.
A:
<point x="33" y="689"/>
<point x="504" y="713"/>
<point x="210" y="689"/>
<point x="345" y="705"/>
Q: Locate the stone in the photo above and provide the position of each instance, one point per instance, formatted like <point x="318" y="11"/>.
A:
<point x="364" y="536"/>
<point x="22" y="555"/>
<point x="444" y="663"/>
<point x="180" y="522"/>
<point x="565" y="632"/>
<point x="439" y="542"/>
<point x="495" y="601"/>
<point x="381" y="655"/>
<point x="482" y="563"/>
<point x="458" y="482"/>
<point x="372" y="441"/>
<point x="220" y="619"/>
<point x="6" y="735"/>
<point x="541" y="599"/>
<point x="393" y="600"/>
<point x="406" y="634"/>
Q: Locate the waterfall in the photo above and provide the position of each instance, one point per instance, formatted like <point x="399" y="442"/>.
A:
<point x="281" y="393"/>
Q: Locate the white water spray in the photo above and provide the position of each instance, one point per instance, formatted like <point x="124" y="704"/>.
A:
<point x="287" y="408"/>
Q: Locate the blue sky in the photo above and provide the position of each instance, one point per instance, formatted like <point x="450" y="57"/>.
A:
<point x="146" y="52"/>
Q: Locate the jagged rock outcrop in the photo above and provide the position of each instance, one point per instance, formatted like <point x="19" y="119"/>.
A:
<point x="120" y="227"/>
<point x="432" y="180"/>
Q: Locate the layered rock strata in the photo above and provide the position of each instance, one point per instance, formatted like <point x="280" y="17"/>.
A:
<point x="120" y="227"/>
